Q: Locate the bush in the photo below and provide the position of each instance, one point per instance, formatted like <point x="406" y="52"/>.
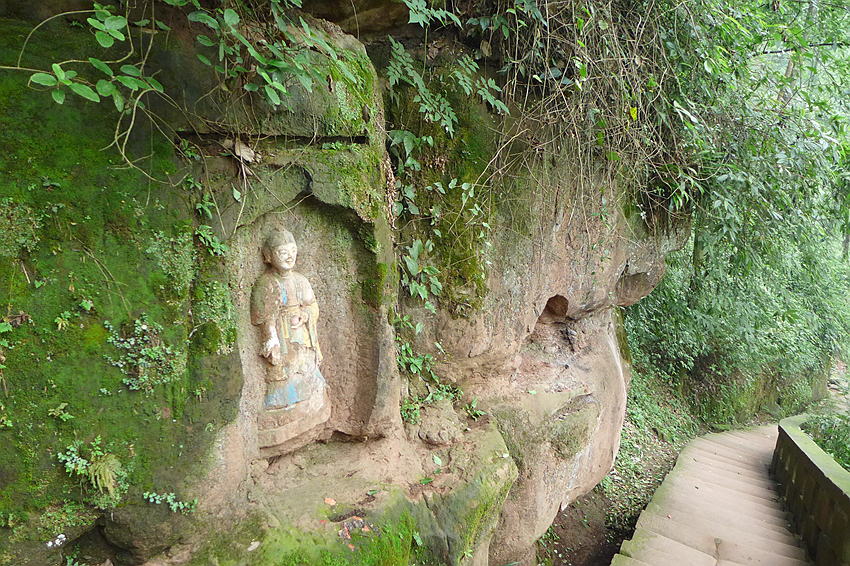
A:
<point x="832" y="433"/>
<point x="733" y="338"/>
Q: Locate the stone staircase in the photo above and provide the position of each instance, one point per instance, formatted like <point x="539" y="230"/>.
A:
<point x="717" y="507"/>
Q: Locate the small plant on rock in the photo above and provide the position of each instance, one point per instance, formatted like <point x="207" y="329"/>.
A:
<point x="171" y="500"/>
<point x="473" y="411"/>
<point x="145" y="360"/>
<point x="98" y="469"/>
<point x="60" y="412"/>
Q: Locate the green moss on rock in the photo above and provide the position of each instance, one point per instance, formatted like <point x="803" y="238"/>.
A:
<point x="81" y="229"/>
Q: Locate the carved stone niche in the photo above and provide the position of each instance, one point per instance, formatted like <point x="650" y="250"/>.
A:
<point x="295" y="403"/>
<point x="316" y="347"/>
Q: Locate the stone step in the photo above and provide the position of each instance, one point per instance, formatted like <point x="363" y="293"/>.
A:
<point x="767" y="560"/>
<point x="745" y="441"/>
<point x="723" y="550"/>
<point x="710" y="504"/>
<point x="687" y="515"/>
<point x="688" y="484"/>
<point x="717" y="440"/>
<point x="726" y="454"/>
<point x="620" y="560"/>
<point x="769" y="496"/>
<point x="751" y="538"/>
<point x="717" y="507"/>
<point x="761" y="436"/>
<point x="678" y="509"/>
<point x="720" y="463"/>
<point x="756" y="454"/>
<point x="703" y="470"/>
<point x="657" y="549"/>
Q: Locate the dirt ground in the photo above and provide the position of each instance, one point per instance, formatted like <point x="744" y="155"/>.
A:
<point x="589" y="532"/>
<point x="579" y="536"/>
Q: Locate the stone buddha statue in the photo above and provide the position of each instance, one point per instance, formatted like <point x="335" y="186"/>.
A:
<point x="284" y="308"/>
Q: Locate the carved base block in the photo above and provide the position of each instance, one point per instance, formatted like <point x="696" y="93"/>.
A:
<point x="287" y="429"/>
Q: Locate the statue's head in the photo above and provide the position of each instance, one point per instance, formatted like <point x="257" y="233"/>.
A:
<point x="280" y="250"/>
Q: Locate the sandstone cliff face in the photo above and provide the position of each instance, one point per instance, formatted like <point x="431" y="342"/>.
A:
<point x="534" y="345"/>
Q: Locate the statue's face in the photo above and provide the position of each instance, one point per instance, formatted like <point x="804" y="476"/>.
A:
<point x="283" y="257"/>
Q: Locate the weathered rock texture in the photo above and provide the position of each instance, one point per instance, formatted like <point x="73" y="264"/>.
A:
<point x="533" y="338"/>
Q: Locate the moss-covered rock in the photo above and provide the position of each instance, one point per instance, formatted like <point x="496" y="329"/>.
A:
<point x="97" y="256"/>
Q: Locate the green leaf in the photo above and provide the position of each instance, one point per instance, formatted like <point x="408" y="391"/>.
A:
<point x="44" y="79"/>
<point x="272" y="95"/>
<point x="85" y="91"/>
<point x="131" y="70"/>
<point x="306" y="81"/>
<point x="118" y="100"/>
<point x="105" y="88"/>
<point x="204" y="40"/>
<point x="204" y="18"/>
<point x="104" y="39"/>
<point x="251" y="87"/>
<point x="204" y="60"/>
<point x="237" y="196"/>
<point x="437" y="460"/>
<point x="425" y="481"/>
<point x="58" y="95"/>
<point x="115" y="23"/>
<point x="5" y="327"/>
<point x="412" y="265"/>
<point x="116" y="34"/>
<point x="127" y="82"/>
<point x="142" y="23"/>
<point x="416" y="248"/>
<point x="57" y="70"/>
<point x="101" y="66"/>
<point x="155" y="84"/>
<point x="231" y="18"/>
<point x="96" y="24"/>
<point x="130" y="82"/>
<point x="162" y="26"/>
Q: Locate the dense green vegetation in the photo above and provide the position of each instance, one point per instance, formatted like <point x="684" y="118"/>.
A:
<point x="754" y="308"/>
<point x="831" y="431"/>
<point x="738" y="342"/>
<point x="829" y="423"/>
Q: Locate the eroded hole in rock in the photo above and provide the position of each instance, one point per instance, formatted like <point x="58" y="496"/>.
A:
<point x="555" y="311"/>
<point x="552" y="331"/>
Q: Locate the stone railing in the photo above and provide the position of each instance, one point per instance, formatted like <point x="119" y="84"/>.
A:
<point x="817" y="491"/>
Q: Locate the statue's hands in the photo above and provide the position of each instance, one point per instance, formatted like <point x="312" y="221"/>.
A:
<point x="271" y="350"/>
<point x="274" y="356"/>
<point x="297" y="321"/>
